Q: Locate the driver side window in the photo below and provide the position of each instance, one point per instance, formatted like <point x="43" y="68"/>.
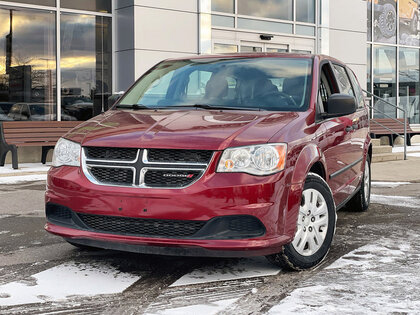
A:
<point x="327" y="87"/>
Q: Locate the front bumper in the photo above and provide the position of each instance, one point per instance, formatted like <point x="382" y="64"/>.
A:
<point x="214" y="195"/>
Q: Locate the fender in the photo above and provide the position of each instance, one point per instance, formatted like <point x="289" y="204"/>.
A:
<point x="306" y="159"/>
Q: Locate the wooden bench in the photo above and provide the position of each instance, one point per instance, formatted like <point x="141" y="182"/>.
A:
<point x="376" y="130"/>
<point x="45" y="134"/>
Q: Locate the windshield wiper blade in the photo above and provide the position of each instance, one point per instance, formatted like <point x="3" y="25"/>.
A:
<point x="133" y="106"/>
<point x="208" y="106"/>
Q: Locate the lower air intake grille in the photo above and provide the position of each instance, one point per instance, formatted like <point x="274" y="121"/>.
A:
<point x="113" y="176"/>
<point x="141" y="227"/>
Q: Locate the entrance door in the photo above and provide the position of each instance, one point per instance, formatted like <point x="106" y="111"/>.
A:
<point x="262" y="47"/>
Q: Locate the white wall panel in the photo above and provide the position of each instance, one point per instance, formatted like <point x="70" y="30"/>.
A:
<point x="166" y="30"/>
<point x="180" y="5"/>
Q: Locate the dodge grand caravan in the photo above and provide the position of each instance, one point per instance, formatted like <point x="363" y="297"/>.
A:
<point x="228" y="156"/>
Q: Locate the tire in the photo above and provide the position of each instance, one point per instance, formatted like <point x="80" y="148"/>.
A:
<point x="387" y="21"/>
<point x="304" y="253"/>
<point x="361" y="201"/>
<point x="414" y="24"/>
<point x="83" y="247"/>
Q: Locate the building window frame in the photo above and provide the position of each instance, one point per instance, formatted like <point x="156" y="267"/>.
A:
<point x="58" y="10"/>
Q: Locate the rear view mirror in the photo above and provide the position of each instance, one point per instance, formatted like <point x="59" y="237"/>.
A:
<point x="340" y="105"/>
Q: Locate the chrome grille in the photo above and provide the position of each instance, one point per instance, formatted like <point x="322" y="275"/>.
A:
<point x="144" y="168"/>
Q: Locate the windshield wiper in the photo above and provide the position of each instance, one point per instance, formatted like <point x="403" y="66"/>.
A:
<point x="208" y="106"/>
<point x="133" y="106"/>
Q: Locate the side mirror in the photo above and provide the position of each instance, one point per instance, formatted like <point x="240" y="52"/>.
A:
<point x="340" y="105"/>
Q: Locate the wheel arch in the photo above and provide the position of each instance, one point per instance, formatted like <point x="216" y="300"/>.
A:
<point x="309" y="160"/>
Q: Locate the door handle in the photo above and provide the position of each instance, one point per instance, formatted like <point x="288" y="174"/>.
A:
<point x="349" y="128"/>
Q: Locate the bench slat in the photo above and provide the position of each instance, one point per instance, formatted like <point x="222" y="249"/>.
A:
<point x="39" y="124"/>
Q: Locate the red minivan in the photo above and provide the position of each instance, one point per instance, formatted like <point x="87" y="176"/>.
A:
<point x="224" y="155"/>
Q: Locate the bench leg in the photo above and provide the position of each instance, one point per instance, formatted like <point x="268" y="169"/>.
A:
<point x="3" y="153"/>
<point x="409" y="139"/>
<point x="14" y="157"/>
<point x="45" y="151"/>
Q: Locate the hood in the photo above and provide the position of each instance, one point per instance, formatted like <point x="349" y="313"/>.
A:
<point x="172" y="129"/>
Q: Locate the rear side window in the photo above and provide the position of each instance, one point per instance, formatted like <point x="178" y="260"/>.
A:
<point x="343" y="80"/>
<point x="358" y="90"/>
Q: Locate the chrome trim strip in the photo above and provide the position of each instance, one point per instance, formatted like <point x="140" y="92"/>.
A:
<point x="146" y="160"/>
<point x="346" y="168"/>
<point x="92" y="179"/>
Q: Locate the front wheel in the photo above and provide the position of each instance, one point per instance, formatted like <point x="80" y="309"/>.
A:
<point x="315" y="228"/>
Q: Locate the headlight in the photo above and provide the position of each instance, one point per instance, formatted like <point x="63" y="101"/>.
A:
<point x="66" y="153"/>
<point x="262" y="159"/>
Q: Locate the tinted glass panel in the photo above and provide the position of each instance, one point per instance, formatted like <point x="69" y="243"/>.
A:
<point x="274" y="9"/>
<point x="224" y="48"/>
<point x="86" y="65"/>
<point x="409" y="19"/>
<point x="384" y="79"/>
<point x="343" y="80"/>
<point x="38" y="2"/>
<point x="305" y="30"/>
<point x="27" y="65"/>
<point x="409" y="83"/>
<point x="88" y="5"/>
<point x="223" y="5"/>
<point x="221" y="20"/>
<point x="305" y="11"/>
<point x="385" y="22"/>
<point x="281" y="84"/>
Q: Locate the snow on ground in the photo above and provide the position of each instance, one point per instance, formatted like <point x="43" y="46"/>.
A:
<point x="21" y="179"/>
<point x="415" y="147"/>
<point x="381" y="277"/>
<point x="25" y="167"/>
<point x="389" y="184"/>
<point x="241" y="269"/>
<point x="400" y="201"/>
<point x="203" y="309"/>
<point x="66" y="281"/>
<point x="27" y="172"/>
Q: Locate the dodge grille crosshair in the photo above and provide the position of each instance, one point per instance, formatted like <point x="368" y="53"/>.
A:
<point x="144" y="168"/>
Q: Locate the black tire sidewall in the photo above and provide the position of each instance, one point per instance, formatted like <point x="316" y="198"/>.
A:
<point x="365" y="204"/>
<point x="382" y="21"/>
<point x="305" y="262"/>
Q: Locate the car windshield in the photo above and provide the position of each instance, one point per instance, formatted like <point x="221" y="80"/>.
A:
<point x="268" y="83"/>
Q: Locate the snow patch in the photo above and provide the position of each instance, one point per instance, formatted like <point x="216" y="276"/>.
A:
<point x="240" y="269"/>
<point x="381" y="277"/>
<point x="66" y="280"/>
<point x="399" y="201"/>
<point x="25" y="167"/>
<point x="207" y="309"/>
<point x="23" y="178"/>
<point x="389" y="184"/>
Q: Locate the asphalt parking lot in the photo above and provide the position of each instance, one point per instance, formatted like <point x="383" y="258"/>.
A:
<point x="372" y="266"/>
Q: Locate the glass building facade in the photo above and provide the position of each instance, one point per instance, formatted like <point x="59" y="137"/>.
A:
<point x="45" y="44"/>
<point x="393" y="56"/>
